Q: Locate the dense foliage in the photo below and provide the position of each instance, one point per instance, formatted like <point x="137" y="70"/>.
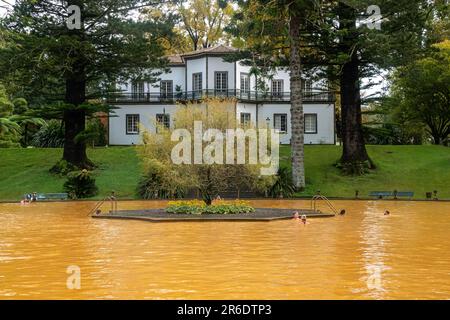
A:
<point x="9" y="129"/>
<point x="64" y="70"/>
<point x="282" y="186"/>
<point x="80" y="184"/>
<point x="50" y="135"/>
<point x="159" y="183"/>
<point x="162" y="178"/>
<point x="217" y="207"/>
<point x="422" y="90"/>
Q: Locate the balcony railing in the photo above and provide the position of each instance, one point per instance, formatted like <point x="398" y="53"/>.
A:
<point x="255" y="96"/>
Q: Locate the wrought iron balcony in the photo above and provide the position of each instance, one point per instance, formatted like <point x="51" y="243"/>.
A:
<point x="245" y="96"/>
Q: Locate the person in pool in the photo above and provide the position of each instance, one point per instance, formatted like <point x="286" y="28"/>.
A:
<point x="387" y="213"/>
<point x="304" y="219"/>
<point x="33" y="197"/>
<point x="296" y="216"/>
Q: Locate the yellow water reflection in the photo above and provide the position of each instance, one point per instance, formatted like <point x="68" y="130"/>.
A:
<point x="363" y="255"/>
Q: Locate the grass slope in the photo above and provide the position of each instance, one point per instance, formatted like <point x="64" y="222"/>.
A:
<point x="405" y="168"/>
<point x="26" y="170"/>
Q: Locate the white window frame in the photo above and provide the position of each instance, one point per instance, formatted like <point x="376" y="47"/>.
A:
<point x="310" y="124"/>
<point x="197" y="82"/>
<point x="138" y="90"/>
<point x="277" y="87"/>
<point x="245" y="119"/>
<point x="221" y="82"/>
<point x="245" y="83"/>
<point x="279" y="128"/>
<point x="166" y="89"/>
<point x="164" y="119"/>
<point x="132" y="124"/>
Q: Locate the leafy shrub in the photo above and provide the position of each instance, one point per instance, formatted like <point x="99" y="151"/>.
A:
<point x="283" y="185"/>
<point x="95" y="133"/>
<point x="218" y="207"/>
<point x="159" y="182"/>
<point x="80" y="184"/>
<point x="50" y="135"/>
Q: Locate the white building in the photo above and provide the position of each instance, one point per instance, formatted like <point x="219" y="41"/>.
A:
<point x="204" y="73"/>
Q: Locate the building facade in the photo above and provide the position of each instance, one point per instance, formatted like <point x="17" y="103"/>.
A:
<point x="205" y="73"/>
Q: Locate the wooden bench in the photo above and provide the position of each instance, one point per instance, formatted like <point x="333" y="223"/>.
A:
<point x="394" y="194"/>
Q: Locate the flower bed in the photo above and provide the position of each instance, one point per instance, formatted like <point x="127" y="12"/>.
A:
<point x="218" y="207"/>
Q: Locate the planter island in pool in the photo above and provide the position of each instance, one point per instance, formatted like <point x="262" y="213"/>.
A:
<point x="260" y="214"/>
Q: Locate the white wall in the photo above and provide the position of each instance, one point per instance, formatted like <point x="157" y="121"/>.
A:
<point x="325" y="121"/>
<point x="281" y="74"/>
<point x="218" y="64"/>
<point x="244" y="69"/>
<point x="194" y="66"/>
<point x="147" y="117"/>
<point x="246" y="108"/>
<point x="176" y="74"/>
<point x="147" y="114"/>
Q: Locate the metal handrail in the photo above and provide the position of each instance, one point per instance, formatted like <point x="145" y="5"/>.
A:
<point x="101" y="202"/>
<point x="321" y="197"/>
<point x="97" y="206"/>
<point x="148" y="97"/>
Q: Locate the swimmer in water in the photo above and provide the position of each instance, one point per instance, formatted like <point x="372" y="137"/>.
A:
<point x="304" y="219"/>
<point x="342" y="212"/>
<point x="386" y="213"/>
<point x="296" y="216"/>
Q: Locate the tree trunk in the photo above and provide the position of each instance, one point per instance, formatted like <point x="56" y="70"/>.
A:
<point x="74" y="121"/>
<point x="297" y="117"/>
<point x="437" y="140"/>
<point x="354" y="148"/>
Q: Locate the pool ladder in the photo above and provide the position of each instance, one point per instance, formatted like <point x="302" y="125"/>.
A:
<point x="321" y="197"/>
<point x="97" y="206"/>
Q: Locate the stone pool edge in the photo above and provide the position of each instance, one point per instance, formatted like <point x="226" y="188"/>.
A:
<point x="261" y="215"/>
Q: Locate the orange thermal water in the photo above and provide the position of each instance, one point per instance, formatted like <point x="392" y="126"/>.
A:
<point x="361" y="255"/>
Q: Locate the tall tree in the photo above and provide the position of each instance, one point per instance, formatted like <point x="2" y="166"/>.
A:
<point x="299" y="12"/>
<point x="423" y="91"/>
<point x="354" y="149"/>
<point x="202" y="21"/>
<point x="81" y="44"/>
<point x="272" y="35"/>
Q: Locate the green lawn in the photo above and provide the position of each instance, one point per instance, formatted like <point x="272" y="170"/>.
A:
<point x="406" y="168"/>
<point x="26" y="170"/>
<point x="403" y="168"/>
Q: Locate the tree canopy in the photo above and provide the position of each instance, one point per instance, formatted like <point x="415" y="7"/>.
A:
<point x="422" y="89"/>
<point x="72" y="66"/>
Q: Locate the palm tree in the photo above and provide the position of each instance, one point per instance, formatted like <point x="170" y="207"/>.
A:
<point x="25" y="122"/>
<point x="8" y="126"/>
